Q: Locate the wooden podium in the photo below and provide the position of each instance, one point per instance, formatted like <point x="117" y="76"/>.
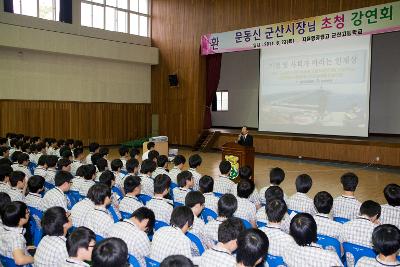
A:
<point x="244" y="153"/>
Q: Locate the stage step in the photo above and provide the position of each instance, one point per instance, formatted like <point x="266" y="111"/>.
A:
<point x="206" y="140"/>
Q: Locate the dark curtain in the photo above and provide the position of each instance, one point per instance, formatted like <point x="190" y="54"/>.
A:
<point x="66" y="11"/>
<point x="8" y="6"/>
<point x="213" y="70"/>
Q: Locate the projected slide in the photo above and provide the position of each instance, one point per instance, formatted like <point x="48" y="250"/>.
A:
<point x="320" y="88"/>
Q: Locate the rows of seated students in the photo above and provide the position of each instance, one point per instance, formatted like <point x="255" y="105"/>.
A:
<point x="111" y="207"/>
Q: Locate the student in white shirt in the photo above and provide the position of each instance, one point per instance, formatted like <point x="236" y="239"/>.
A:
<point x="64" y="164"/>
<point x="51" y="162"/>
<point x="78" y="160"/>
<point x="18" y="186"/>
<point x="300" y="202"/>
<point x="185" y="185"/>
<point x="116" y="167"/>
<point x="4" y="201"/>
<point x="41" y="166"/>
<point x="162" y="166"/>
<point x="223" y="184"/>
<point x="246" y="209"/>
<point x="245" y="172"/>
<point x="108" y="178"/>
<point x="153" y="155"/>
<point x="135" y="154"/>
<point x="391" y="210"/>
<point x="206" y="186"/>
<point x="276" y="177"/>
<point x="4" y="152"/>
<point x="147" y="168"/>
<point x="35" y="187"/>
<point x="252" y="247"/>
<point x="78" y="144"/>
<point x="80" y="244"/>
<point x="132" y="167"/>
<point x="194" y="162"/>
<point x="83" y="184"/>
<point x="179" y="162"/>
<point x="150" y="146"/>
<point x="5" y="172"/>
<point x="124" y="156"/>
<point x="323" y="202"/>
<point x="69" y="143"/>
<point x="102" y="165"/>
<point x="161" y="206"/>
<point x="23" y="161"/>
<point x="132" y="188"/>
<point x="346" y="205"/>
<point x="56" y="196"/>
<point x="110" y="252"/>
<point x="33" y="153"/>
<point x="93" y="148"/>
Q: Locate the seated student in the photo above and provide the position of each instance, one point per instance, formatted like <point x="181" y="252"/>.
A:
<point x="150" y="146"/>
<point x="78" y="144"/>
<point x="300" y="202"/>
<point x="223" y="184"/>
<point x="78" y="160"/>
<point x="23" y="161"/>
<point x="179" y="161"/>
<point x="5" y="154"/>
<point x="14" y="158"/>
<point x="33" y="153"/>
<point x="51" y="162"/>
<point x="51" y="250"/>
<point x="386" y="241"/>
<point x="41" y="166"/>
<point x="175" y="261"/>
<point x="185" y="185"/>
<point x="221" y="254"/>
<point x="64" y="164"/>
<point x="35" y="187"/>
<point x="104" y="152"/>
<point x="69" y="143"/>
<point x="206" y="186"/>
<point x="124" y="156"/>
<point x="110" y="252"/>
<point x="153" y="155"/>
<point x="108" y="178"/>
<point x="391" y="210"/>
<point x="135" y="154"/>
<point x="98" y="219"/>
<point x="41" y="150"/>
<point x="171" y="240"/>
<point x="276" y="177"/>
<point x="26" y="148"/>
<point x="346" y="205"/>
<point x="306" y="251"/>
<point x="132" y="167"/>
<point x="194" y="162"/>
<point x="80" y="210"/>
<point x="134" y="232"/>
<point x="246" y="209"/>
<point x="273" y="192"/>
<point x="13" y="244"/>
<point x="83" y="185"/>
<point x="116" y="167"/>
<point x="147" y="168"/>
<point x="246" y="172"/>
<point x="276" y="210"/>
<point x="161" y="206"/>
<point x="5" y="172"/>
<point x="4" y="201"/>
<point x="102" y="165"/>
<point x="18" y="186"/>
<point x="132" y="188"/>
<point x="13" y="146"/>
<point x="227" y="206"/>
<point x="252" y="247"/>
<point x="56" y="196"/>
<point x="66" y="153"/>
<point x="323" y="202"/>
<point x="93" y="148"/>
<point x="51" y="144"/>
<point x="80" y="245"/>
<point x="162" y="165"/>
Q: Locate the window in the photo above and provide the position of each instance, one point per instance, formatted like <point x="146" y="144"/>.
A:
<point x="127" y="16"/>
<point x="44" y="9"/>
<point x="222" y="100"/>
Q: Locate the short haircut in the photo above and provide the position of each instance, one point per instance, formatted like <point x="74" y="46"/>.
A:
<point x="78" y="151"/>
<point x="51" y="161"/>
<point x="3" y="150"/>
<point x="69" y="142"/>
<point x="93" y="147"/>
<point x="4" y="201"/>
<point x="42" y="160"/>
<point x="224" y="167"/>
<point x="103" y="151"/>
<point x="150" y="145"/>
<point x="273" y="192"/>
<point x="227" y="205"/>
<point x="99" y="193"/>
<point x="147" y="166"/>
<point x="123" y="150"/>
<point x="110" y="252"/>
<point x="78" y="144"/>
<point x="22" y="157"/>
<point x="176" y="261"/>
<point x="79" y="238"/>
<point x="144" y="213"/>
<point x="90" y="170"/>
<point x="392" y="194"/>
<point x="5" y="161"/>
<point x="134" y="152"/>
<point x="386" y="239"/>
<point x="35" y="183"/>
<point x="32" y="148"/>
<point x="303" y="229"/>
<point x="116" y="164"/>
<point x="323" y="202"/>
<point x="62" y="177"/>
<point x="131" y="164"/>
<point x="180" y="216"/>
<point x="193" y="198"/>
<point x="303" y="183"/>
<point x="179" y="159"/>
<point x="15" y="155"/>
<point x="276" y="176"/>
<point x="13" y="212"/>
<point x="153" y="154"/>
<point x="63" y="162"/>
<point x="40" y="146"/>
<point x="276" y="210"/>
<point x="13" y="142"/>
<point x="3" y="140"/>
<point x="245" y="172"/>
<point x="101" y="164"/>
<point x="5" y="171"/>
<point x="245" y="188"/>
<point x="66" y="154"/>
<point x="206" y="184"/>
<point x="161" y="182"/>
<point x="184" y="177"/>
<point x="162" y="160"/>
<point x="349" y="181"/>
<point x="81" y="171"/>
<point x="15" y="177"/>
<point x="252" y="246"/>
<point x="106" y="178"/>
<point x="131" y="182"/>
<point x="95" y="158"/>
<point x="195" y="161"/>
<point x="370" y="208"/>
<point x="25" y="147"/>
<point x="53" y="221"/>
<point x="230" y="229"/>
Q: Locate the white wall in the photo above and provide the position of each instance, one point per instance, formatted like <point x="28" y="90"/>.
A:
<point x="240" y="77"/>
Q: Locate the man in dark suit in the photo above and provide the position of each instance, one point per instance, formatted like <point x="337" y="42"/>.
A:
<point x="244" y="138"/>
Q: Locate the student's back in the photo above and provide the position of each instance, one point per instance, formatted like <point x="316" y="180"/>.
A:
<point x="391" y="210"/>
<point x="300" y="202"/>
<point x="346" y="205"/>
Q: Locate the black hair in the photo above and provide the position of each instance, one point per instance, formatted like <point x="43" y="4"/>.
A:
<point x="252" y="246"/>
<point x="35" y="183"/>
<point x="276" y="210"/>
<point x="123" y="150"/>
<point x="25" y="147"/>
<point x="180" y="216"/>
<point x="134" y="152"/>
<point x="63" y="162"/>
<point x="153" y="154"/>
<point x="13" y="212"/>
<point x="392" y="194"/>
<point x="69" y="142"/>
<point x="103" y="151"/>
<point x="22" y="157"/>
<point x="150" y="145"/>
<point x="3" y="141"/>
<point x="176" y="261"/>
<point x="99" y="193"/>
<point x="230" y="229"/>
<point x="93" y="147"/>
<point x="193" y="198"/>
<point x="62" y="177"/>
<point x="276" y="176"/>
<point x="303" y="183"/>
<point x="40" y="146"/>
<point x="65" y="152"/>
<point x="370" y="208"/>
<point x="143" y="213"/>
<point x="95" y="158"/>
<point x="227" y="205"/>
<point x="51" y="161"/>
<point x="32" y="148"/>
<point x="5" y="171"/>
<point x="179" y="159"/>
<point x="116" y="164"/>
<point x="303" y="229"/>
<point x="79" y="238"/>
<point x="106" y="178"/>
<point x="323" y="202"/>
<point x="81" y="171"/>
<point x="15" y="177"/>
<point x="90" y="170"/>
<point x="147" y="166"/>
<point x="101" y="164"/>
<point x="78" y="144"/>
<point x="245" y="172"/>
<point x="224" y="167"/>
<point x="273" y="192"/>
<point x="110" y="252"/>
<point x="195" y="161"/>
<point x="162" y="160"/>
<point x="386" y="239"/>
<point x="183" y="178"/>
<point x="53" y="221"/>
<point x="3" y="150"/>
<point x="4" y="201"/>
<point x="131" y="164"/>
<point x="15" y="155"/>
<point x="206" y="184"/>
<point x="5" y="161"/>
<point x="13" y="142"/>
<point x="349" y="181"/>
<point x="245" y="188"/>
<point x="131" y="182"/>
<point x="78" y="151"/>
<point x="161" y="182"/>
<point x="42" y="160"/>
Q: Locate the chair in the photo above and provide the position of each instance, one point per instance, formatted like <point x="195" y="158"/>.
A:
<point x="357" y="251"/>
<point x="159" y="224"/>
<point x="206" y="213"/>
<point x="247" y="224"/>
<point x="178" y="204"/>
<point x="74" y="197"/>
<point x="8" y="262"/>
<point x="194" y="239"/>
<point x="34" y="223"/>
<point x="327" y="241"/>
<point x="113" y="213"/>
<point x="133" y="261"/>
<point x="144" y="198"/>
<point x="125" y="215"/>
<point x="32" y="166"/>
<point x="117" y="191"/>
<point x="340" y="219"/>
<point x="218" y="194"/>
<point x="261" y="224"/>
<point x="99" y="238"/>
<point x="274" y="261"/>
<point x="48" y="185"/>
<point x="151" y="262"/>
<point x="171" y="189"/>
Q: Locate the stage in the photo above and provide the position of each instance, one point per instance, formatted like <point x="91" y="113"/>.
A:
<point x="377" y="150"/>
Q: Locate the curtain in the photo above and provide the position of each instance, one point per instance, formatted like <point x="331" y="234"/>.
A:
<point x="8" y="6"/>
<point x="65" y="11"/>
<point x="213" y="71"/>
